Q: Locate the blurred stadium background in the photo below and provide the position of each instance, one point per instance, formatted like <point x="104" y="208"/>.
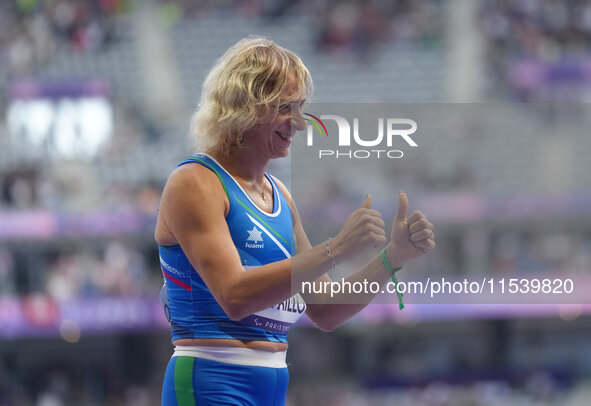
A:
<point x="95" y="100"/>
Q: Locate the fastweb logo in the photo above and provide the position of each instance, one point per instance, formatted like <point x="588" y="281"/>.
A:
<point x="352" y="145"/>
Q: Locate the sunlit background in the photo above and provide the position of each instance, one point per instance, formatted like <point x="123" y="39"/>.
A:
<point x="95" y="103"/>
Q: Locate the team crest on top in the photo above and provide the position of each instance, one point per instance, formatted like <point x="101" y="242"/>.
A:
<point x="255" y="236"/>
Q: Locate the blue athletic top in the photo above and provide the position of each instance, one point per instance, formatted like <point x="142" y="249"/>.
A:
<point x="260" y="238"/>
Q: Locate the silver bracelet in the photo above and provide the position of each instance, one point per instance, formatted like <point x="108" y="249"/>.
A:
<point x="329" y="254"/>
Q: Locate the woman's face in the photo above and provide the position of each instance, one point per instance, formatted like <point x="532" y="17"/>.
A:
<point x="272" y="135"/>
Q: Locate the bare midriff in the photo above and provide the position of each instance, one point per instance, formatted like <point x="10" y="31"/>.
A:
<point x="222" y="342"/>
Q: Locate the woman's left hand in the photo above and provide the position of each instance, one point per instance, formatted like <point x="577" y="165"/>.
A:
<point x="411" y="236"/>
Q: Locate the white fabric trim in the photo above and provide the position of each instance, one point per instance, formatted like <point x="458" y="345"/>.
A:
<point x="234" y="355"/>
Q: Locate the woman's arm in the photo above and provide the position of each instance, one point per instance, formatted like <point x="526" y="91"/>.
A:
<point x="192" y="214"/>
<point x="411" y="237"/>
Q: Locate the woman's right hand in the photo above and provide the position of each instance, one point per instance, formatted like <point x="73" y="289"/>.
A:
<point x="364" y="229"/>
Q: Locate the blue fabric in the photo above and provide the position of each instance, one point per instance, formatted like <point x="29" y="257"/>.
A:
<point x="217" y="383"/>
<point x="259" y="238"/>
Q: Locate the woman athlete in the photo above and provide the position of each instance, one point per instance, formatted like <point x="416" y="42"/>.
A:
<point x="227" y="231"/>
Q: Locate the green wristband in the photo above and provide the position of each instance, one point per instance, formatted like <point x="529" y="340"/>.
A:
<point x="392" y="271"/>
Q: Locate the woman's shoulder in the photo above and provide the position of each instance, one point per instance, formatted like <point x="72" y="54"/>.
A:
<point x="191" y="179"/>
<point x="192" y="173"/>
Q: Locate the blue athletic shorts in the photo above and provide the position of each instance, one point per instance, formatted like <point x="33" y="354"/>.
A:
<point x="191" y="381"/>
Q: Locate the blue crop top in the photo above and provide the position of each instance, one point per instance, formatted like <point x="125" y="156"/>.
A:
<point x="260" y="238"/>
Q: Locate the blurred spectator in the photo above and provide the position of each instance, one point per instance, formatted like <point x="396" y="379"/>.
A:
<point x="119" y="270"/>
<point x="31" y="31"/>
<point x="539" y="49"/>
<point x="19" y="188"/>
<point x="356" y="27"/>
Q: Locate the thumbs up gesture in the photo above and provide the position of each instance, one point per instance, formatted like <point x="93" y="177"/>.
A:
<point x="364" y="229"/>
<point x="411" y="236"/>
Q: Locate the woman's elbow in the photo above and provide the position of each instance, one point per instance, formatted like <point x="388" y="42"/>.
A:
<point x="234" y="301"/>
<point x="235" y="309"/>
<point x="327" y="327"/>
<point x="235" y="315"/>
<point x="324" y="322"/>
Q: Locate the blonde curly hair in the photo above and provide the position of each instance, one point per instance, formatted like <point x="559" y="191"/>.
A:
<point x="243" y="86"/>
